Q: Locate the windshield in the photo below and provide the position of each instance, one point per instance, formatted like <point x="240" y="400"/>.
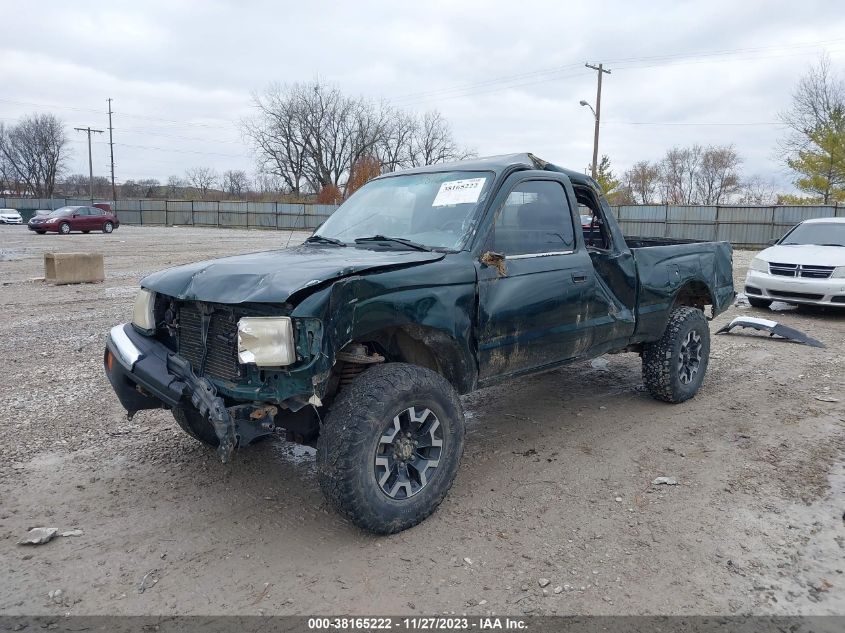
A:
<point x="821" y="234"/>
<point x="433" y="209"/>
<point x="62" y="212"/>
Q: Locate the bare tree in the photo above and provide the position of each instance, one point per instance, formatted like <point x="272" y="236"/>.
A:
<point x="815" y="146"/>
<point x="718" y="176"/>
<point x="817" y="102"/>
<point x="642" y="180"/>
<point x="34" y="150"/>
<point x="75" y="185"/>
<point x="235" y="183"/>
<point x="756" y="191"/>
<point x="395" y="150"/>
<point x="433" y="142"/>
<point x="201" y="178"/>
<point x="310" y="136"/>
<point x="174" y="186"/>
<point x="278" y="136"/>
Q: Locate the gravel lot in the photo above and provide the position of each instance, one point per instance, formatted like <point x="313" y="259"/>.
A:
<point x="555" y="482"/>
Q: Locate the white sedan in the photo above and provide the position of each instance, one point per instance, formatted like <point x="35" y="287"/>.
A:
<point x="10" y="216"/>
<point x="807" y="265"/>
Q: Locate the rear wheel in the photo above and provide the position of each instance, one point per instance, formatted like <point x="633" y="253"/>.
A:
<point x="674" y="366"/>
<point x="390" y="447"/>
<point x="759" y="303"/>
<point x="64" y="228"/>
<point x="195" y="425"/>
<point x="108" y="227"/>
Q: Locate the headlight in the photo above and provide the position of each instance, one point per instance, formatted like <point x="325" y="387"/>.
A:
<point x="760" y="265"/>
<point x="53" y="220"/>
<point x="142" y="314"/>
<point x="266" y="341"/>
<point x="838" y="272"/>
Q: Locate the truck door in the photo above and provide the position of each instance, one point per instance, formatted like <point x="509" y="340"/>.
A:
<point x="613" y="306"/>
<point x="530" y="298"/>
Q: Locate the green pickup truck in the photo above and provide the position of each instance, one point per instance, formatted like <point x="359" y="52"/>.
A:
<point x="424" y="285"/>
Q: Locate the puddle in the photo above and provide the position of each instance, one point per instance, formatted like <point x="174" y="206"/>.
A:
<point x="296" y="454"/>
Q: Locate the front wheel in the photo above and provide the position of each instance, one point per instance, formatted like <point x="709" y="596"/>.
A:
<point x="108" y="227"/>
<point x="64" y="228"/>
<point x="674" y="366"/>
<point x="390" y="447"/>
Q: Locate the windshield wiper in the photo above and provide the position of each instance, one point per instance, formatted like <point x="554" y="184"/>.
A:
<point x="397" y="240"/>
<point x="322" y="239"/>
<point x="840" y="245"/>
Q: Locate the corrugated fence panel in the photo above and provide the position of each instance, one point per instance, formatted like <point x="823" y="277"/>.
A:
<point x="179" y="212"/>
<point x="261" y="215"/>
<point x="233" y="214"/>
<point x="642" y="212"/>
<point x="153" y="211"/>
<point x="205" y="213"/>
<point x="790" y="216"/>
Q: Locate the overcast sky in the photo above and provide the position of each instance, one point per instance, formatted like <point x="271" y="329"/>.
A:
<point x="507" y="75"/>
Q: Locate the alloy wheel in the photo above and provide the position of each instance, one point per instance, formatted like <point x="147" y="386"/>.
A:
<point x="408" y="453"/>
<point x="689" y="359"/>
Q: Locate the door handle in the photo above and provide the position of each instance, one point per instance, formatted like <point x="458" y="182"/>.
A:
<point x="579" y="277"/>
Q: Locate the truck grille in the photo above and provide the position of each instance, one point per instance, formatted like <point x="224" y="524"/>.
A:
<point x="221" y="358"/>
<point x="800" y="270"/>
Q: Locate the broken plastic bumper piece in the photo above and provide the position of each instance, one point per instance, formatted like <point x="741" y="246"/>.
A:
<point x="773" y="327"/>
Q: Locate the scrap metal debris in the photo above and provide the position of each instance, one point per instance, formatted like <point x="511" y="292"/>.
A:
<point x="773" y="327"/>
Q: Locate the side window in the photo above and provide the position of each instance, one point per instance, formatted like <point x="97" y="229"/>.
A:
<point x="83" y="211"/>
<point x="95" y="211"/>
<point x="535" y="219"/>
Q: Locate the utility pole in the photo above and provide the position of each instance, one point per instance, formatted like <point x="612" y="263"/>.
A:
<point x="111" y="151"/>
<point x="601" y="71"/>
<point x="90" y="163"/>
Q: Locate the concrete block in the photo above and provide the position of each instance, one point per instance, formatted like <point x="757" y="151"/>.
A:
<point x="73" y="268"/>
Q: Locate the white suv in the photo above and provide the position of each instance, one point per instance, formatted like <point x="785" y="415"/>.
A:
<point x="807" y="265"/>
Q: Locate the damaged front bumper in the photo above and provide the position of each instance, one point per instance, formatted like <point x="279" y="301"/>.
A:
<point x="145" y="374"/>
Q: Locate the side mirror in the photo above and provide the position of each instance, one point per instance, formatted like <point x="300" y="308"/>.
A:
<point x="496" y="260"/>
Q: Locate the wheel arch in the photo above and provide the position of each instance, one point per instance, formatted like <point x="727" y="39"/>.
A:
<point x="694" y="293"/>
<point x="427" y="347"/>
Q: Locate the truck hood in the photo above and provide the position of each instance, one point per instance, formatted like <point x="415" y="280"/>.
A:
<point x="273" y="276"/>
<point x="806" y="254"/>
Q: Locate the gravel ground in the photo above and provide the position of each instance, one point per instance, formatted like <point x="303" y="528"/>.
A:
<point x="555" y="483"/>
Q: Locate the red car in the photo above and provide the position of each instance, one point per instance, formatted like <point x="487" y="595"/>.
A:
<point x="66" y="219"/>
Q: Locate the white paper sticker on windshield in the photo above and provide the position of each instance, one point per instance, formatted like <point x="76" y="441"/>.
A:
<point x="459" y="192"/>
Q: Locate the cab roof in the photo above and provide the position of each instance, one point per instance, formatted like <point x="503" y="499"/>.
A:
<point x="501" y="164"/>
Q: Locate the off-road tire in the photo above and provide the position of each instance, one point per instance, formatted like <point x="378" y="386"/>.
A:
<point x="108" y="227"/>
<point x="759" y="303"/>
<point x="351" y="434"/>
<point x="64" y="228"/>
<point x="196" y="425"/>
<point x="661" y="373"/>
